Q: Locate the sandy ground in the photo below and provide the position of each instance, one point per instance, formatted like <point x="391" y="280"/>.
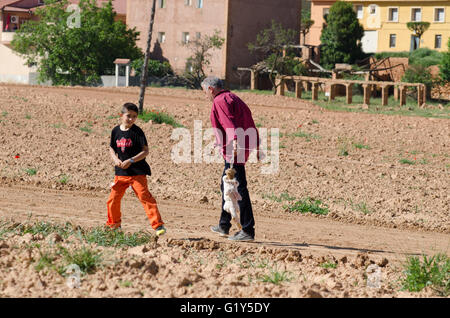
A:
<point x="381" y="209"/>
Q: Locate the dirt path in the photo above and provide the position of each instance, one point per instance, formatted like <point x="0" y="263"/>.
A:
<point x="309" y="235"/>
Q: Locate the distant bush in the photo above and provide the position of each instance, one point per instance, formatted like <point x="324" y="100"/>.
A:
<point x="425" y="57"/>
<point x="155" y="67"/>
<point x="286" y="65"/>
<point x="383" y="55"/>
<point x="417" y="73"/>
<point x="159" y="118"/>
<point x="445" y="64"/>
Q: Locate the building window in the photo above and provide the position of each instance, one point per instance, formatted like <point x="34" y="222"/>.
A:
<point x="325" y="12"/>
<point x="199" y="4"/>
<point x="185" y="37"/>
<point x="438" y="41"/>
<point x="393" y="15"/>
<point x="416" y="14"/>
<point x="198" y="35"/>
<point x="162" y="3"/>
<point x="439" y="15"/>
<point x="187" y="2"/>
<point x="373" y="9"/>
<point x="392" y="40"/>
<point x="359" y="11"/>
<point x="161" y="37"/>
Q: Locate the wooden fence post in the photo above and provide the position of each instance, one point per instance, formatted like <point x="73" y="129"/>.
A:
<point x="298" y="89"/>
<point x="349" y="93"/>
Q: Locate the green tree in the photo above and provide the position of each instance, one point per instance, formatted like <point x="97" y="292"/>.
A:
<point x="201" y="57"/>
<point x="155" y="67"/>
<point x="306" y="24"/>
<point x="69" y="54"/>
<point x="445" y="64"/>
<point x="272" y="43"/>
<point x="418" y="28"/>
<point x="417" y="73"/>
<point x="341" y="37"/>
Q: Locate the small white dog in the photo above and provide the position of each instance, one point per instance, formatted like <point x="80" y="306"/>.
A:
<point x="231" y="195"/>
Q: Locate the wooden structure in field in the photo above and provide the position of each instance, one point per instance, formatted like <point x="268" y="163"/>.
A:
<point x="400" y="88"/>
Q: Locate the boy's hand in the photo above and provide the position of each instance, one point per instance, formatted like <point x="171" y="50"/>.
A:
<point x="118" y="163"/>
<point x="126" y="164"/>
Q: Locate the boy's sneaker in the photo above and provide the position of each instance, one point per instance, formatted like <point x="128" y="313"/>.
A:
<point x="160" y="230"/>
<point x="218" y="229"/>
<point x="241" y="236"/>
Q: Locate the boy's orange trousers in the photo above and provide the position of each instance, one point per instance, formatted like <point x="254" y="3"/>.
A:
<point x="139" y="185"/>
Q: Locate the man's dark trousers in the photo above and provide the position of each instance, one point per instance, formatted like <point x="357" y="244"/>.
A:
<point x="245" y="206"/>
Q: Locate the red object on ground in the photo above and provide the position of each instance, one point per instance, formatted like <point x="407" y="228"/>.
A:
<point x="17" y="156"/>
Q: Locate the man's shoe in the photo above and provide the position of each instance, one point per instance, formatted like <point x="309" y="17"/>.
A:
<point x="160" y="230"/>
<point x="241" y="236"/>
<point x="218" y="229"/>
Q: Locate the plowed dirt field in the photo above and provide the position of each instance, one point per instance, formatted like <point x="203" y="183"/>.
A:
<point x="385" y="181"/>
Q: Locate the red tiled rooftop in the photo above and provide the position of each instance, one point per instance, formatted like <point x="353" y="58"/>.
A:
<point x="4" y="3"/>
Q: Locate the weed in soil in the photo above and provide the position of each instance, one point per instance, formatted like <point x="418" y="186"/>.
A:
<point x="307" y="205"/>
<point x="432" y="271"/>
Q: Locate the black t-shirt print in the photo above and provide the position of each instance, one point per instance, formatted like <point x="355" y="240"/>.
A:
<point x="127" y="144"/>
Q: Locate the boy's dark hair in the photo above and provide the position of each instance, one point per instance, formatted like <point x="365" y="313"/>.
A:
<point x="129" y="106"/>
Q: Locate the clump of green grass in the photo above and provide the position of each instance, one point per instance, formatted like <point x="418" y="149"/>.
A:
<point x="87" y="127"/>
<point x="362" y="206"/>
<point x="307" y="205"/>
<point x="87" y="259"/>
<point x="406" y="161"/>
<point x="328" y="265"/>
<point x="46" y="260"/>
<point x="98" y="235"/>
<point x="360" y="146"/>
<point x="343" y="152"/>
<point x="159" y="118"/>
<point x="4" y="113"/>
<point x="126" y="283"/>
<point x="431" y="271"/>
<point x="107" y="237"/>
<point x="58" y="125"/>
<point x="64" y="179"/>
<point x="28" y="116"/>
<point x="303" y="134"/>
<point x="276" y="277"/>
<point x="44" y="228"/>
<point x="31" y="171"/>
<point x="284" y="196"/>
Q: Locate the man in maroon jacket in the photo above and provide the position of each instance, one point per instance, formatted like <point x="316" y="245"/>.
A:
<point x="237" y="134"/>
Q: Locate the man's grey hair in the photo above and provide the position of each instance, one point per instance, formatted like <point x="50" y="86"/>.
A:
<point x="212" y="81"/>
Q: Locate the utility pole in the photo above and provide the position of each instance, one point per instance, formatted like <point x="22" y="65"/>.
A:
<point x="144" y="71"/>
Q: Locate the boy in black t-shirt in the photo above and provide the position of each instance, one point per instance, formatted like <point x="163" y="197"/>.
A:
<point x="128" y="149"/>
